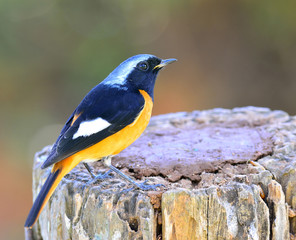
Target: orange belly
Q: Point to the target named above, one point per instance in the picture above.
(115, 143)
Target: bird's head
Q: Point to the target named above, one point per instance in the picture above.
(137, 72)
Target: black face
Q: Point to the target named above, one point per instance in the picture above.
(144, 75)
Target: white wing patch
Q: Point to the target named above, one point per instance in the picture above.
(88, 128)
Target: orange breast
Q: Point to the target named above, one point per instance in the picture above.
(115, 143)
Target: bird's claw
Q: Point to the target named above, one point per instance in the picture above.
(127, 190)
(100, 177)
(147, 187)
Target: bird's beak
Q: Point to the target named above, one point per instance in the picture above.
(165, 62)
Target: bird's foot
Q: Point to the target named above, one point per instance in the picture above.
(148, 187)
(100, 177)
(127, 190)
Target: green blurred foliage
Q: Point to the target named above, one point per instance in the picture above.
(231, 53)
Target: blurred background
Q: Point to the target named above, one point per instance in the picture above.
(230, 53)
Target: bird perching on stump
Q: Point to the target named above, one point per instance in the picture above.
(109, 118)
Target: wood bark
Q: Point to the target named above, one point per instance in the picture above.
(227, 174)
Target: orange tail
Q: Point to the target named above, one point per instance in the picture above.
(59, 170)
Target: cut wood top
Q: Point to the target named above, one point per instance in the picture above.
(186, 151)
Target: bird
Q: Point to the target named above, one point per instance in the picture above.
(108, 119)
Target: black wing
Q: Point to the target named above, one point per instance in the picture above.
(117, 106)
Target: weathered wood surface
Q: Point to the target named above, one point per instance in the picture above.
(212, 191)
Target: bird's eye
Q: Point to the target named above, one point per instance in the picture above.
(143, 66)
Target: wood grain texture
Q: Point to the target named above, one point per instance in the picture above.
(232, 199)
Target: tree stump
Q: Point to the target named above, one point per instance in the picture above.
(227, 174)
